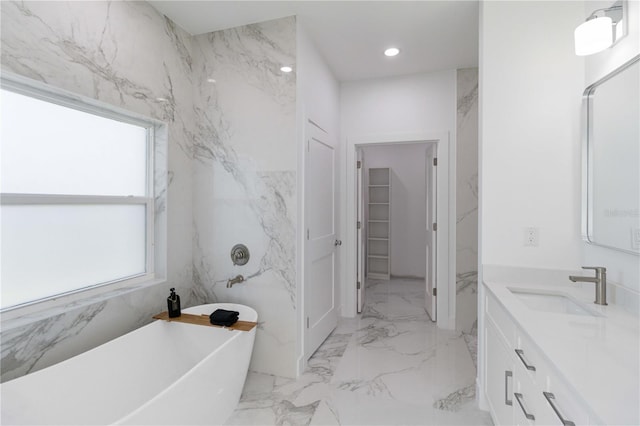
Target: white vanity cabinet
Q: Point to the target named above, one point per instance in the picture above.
(499, 370)
(521, 386)
(559, 396)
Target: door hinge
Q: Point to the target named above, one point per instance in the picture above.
(435, 292)
(359, 164)
(435, 161)
(308, 145)
(307, 322)
(358, 225)
(435, 226)
(307, 233)
(358, 285)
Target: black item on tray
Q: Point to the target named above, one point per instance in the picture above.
(224, 317)
(173, 304)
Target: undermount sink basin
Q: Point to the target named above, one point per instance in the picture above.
(551, 302)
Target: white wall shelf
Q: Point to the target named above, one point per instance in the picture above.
(379, 230)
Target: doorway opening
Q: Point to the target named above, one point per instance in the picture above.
(396, 202)
(400, 204)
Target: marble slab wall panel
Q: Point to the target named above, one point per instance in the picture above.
(128, 55)
(467, 200)
(245, 179)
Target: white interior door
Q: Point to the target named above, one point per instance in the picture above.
(360, 228)
(431, 234)
(321, 242)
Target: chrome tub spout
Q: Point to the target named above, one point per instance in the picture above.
(236, 280)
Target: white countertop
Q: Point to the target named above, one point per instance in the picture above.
(598, 356)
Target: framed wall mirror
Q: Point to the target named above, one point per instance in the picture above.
(611, 160)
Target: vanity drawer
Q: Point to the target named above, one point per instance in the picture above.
(529, 356)
(560, 404)
(527, 400)
(501, 319)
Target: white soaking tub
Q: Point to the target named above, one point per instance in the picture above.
(160, 374)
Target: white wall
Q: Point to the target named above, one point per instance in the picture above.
(393, 109)
(318, 89)
(530, 137)
(621, 267)
(408, 208)
(532, 85)
(409, 104)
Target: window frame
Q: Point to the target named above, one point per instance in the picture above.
(155, 130)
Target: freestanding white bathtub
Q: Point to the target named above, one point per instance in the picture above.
(162, 373)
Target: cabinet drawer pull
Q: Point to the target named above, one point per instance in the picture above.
(519, 399)
(520, 354)
(550, 397)
(507, 374)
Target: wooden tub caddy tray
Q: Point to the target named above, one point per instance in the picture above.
(203, 319)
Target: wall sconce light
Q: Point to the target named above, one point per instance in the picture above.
(601, 30)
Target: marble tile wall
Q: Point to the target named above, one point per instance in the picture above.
(231, 145)
(245, 179)
(467, 201)
(127, 55)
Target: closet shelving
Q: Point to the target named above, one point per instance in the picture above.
(378, 224)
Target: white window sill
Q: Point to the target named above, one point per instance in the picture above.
(20, 316)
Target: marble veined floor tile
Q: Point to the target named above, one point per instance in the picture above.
(271, 400)
(389, 366)
(346, 408)
(411, 366)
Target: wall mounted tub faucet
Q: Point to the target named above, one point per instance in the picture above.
(600, 281)
(236, 280)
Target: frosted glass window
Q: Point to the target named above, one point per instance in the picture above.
(77, 205)
(53, 249)
(51, 149)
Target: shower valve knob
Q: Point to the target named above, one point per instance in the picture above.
(240, 254)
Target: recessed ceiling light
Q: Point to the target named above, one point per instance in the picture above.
(392, 51)
(286, 69)
(211, 80)
(161, 99)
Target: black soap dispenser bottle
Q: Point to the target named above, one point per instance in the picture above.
(173, 304)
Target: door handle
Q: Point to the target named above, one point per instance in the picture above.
(337, 243)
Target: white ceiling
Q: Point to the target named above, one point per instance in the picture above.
(351, 35)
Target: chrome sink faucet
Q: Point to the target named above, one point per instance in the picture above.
(600, 281)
